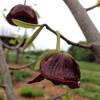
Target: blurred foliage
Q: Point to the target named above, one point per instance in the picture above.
(10, 56)
(88, 93)
(1, 97)
(29, 92)
(18, 75)
(24, 57)
(66, 97)
(82, 54)
(1, 79)
(98, 1)
(93, 67)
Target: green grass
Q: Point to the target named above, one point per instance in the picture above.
(29, 92)
(1, 79)
(90, 73)
(27, 58)
(90, 66)
(1, 97)
(88, 94)
(16, 76)
(11, 57)
(90, 81)
(90, 77)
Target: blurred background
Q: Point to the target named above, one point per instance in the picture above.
(57, 15)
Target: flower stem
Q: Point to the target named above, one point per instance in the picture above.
(25, 2)
(58, 41)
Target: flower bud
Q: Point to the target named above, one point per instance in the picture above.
(22, 12)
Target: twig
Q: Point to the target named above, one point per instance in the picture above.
(23, 67)
(25, 2)
(68, 41)
(92, 7)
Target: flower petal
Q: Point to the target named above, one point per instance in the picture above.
(61, 68)
(24, 24)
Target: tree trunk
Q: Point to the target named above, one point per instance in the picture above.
(89, 30)
(6, 76)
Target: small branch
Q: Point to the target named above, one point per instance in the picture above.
(68, 41)
(23, 67)
(92, 7)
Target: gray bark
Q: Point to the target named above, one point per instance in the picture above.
(88, 28)
(6, 76)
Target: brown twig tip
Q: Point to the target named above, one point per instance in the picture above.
(92, 7)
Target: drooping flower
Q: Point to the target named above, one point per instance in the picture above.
(60, 68)
(22, 12)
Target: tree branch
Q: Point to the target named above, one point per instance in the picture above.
(68, 41)
(92, 7)
(23, 67)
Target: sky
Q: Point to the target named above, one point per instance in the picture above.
(57, 15)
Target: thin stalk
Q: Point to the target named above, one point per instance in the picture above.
(92, 7)
(35, 34)
(25, 2)
(58, 42)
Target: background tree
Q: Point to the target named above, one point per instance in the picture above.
(89, 30)
(82, 54)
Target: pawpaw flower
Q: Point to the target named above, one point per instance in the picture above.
(23, 13)
(60, 68)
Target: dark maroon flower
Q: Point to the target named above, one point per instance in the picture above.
(60, 68)
(22, 12)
